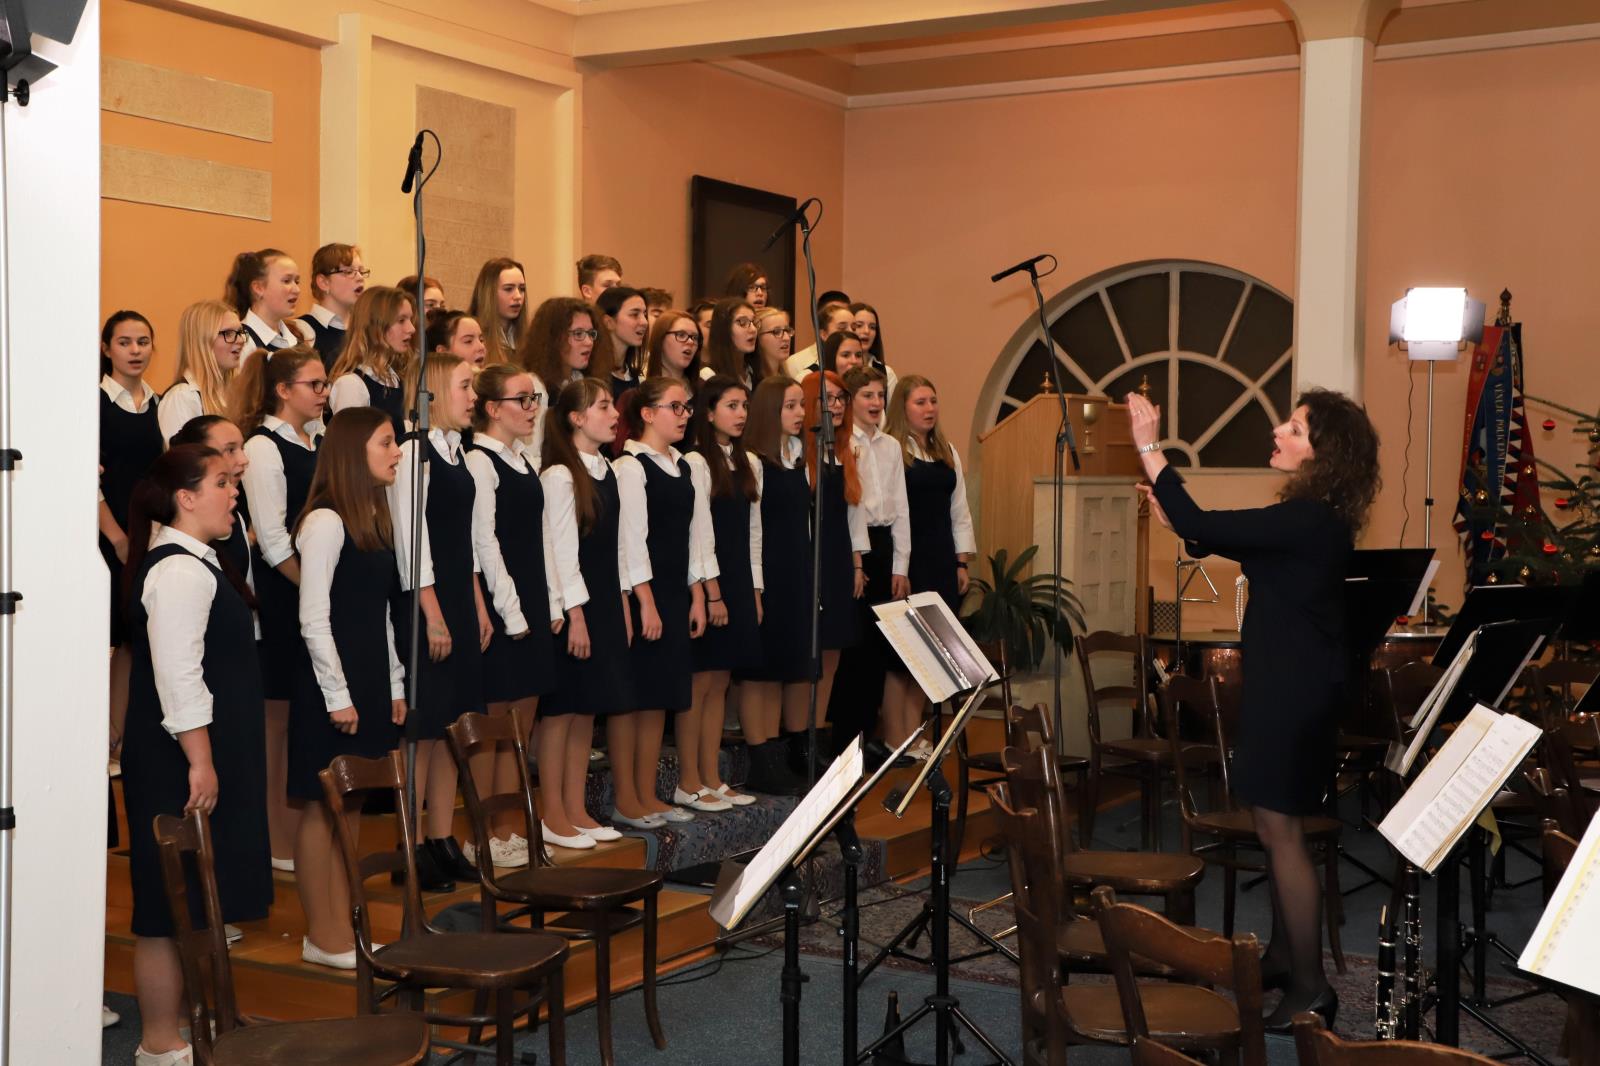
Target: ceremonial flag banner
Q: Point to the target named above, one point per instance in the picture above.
(1499, 478)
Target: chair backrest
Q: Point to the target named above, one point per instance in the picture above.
(1233, 963)
(1035, 781)
(202, 952)
(1028, 728)
(1405, 688)
(481, 734)
(1200, 696)
(1135, 695)
(1318, 1047)
(1036, 893)
(995, 652)
(1147, 1052)
(1555, 753)
(1552, 683)
(351, 778)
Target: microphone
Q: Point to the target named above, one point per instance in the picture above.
(796, 216)
(1026, 264)
(413, 164)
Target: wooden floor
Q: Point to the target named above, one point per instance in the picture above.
(273, 982)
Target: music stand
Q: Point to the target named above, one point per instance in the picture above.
(1582, 623)
(1497, 603)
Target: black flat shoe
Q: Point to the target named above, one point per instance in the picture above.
(1325, 1003)
(452, 860)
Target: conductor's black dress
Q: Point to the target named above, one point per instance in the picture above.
(1295, 554)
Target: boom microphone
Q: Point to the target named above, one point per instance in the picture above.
(796, 216)
(1026, 264)
(413, 164)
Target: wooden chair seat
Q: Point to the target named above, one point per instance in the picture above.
(470, 960)
(1153, 750)
(1179, 1015)
(989, 762)
(577, 887)
(1238, 825)
(369, 1040)
(1139, 873)
(1082, 945)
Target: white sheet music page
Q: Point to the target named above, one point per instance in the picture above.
(922, 659)
(1563, 944)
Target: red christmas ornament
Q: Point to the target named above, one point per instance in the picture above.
(1487, 534)
(1549, 424)
(1562, 503)
(1550, 549)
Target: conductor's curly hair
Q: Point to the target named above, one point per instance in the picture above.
(1343, 469)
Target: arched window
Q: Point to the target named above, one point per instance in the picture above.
(1216, 347)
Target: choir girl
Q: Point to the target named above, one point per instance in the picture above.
(702, 310)
(222, 436)
(210, 340)
(656, 301)
(130, 440)
(864, 324)
(748, 281)
(432, 292)
(596, 274)
(457, 333)
(194, 721)
(775, 690)
(666, 533)
(454, 615)
(729, 479)
(278, 400)
(774, 341)
(672, 351)
(353, 702)
(558, 348)
(338, 277)
(500, 304)
(515, 553)
(370, 370)
(841, 353)
(942, 543)
(623, 328)
(731, 341)
(833, 317)
(594, 675)
(859, 685)
(263, 288)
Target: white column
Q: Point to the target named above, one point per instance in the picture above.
(1330, 277)
(52, 215)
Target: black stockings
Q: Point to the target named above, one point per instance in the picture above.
(1296, 944)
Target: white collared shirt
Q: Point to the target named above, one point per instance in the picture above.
(179, 404)
(502, 590)
(124, 399)
(288, 334)
(803, 362)
(534, 452)
(447, 444)
(267, 492)
(177, 597)
(350, 389)
(883, 489)
(320, 541)
(561, 519)
(960, 512)
(326, 318)
(700, 473)
(635, 528)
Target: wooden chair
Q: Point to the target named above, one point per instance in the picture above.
(1147, 1052)
(1318, 1047)
(1234, 828)
(597, 901)
(1551, 684)
(1146, 756)
(1187, 1017)
(220, 1035)
(497, 964)
(1173, 877)
(1403, 690)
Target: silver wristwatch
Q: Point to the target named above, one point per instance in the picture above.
(1153, 446)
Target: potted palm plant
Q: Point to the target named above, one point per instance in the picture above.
(1019, 611)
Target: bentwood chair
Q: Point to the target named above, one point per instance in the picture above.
(594, 903)
(1147, 1052)
(503, 966)
(1318, 1047)
(219, 1034)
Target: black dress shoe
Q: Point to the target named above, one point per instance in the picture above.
(452, 859)
(1325, 1003)
(433, 875)
(1274, 976)
(874, 752)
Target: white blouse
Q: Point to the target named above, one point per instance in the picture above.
(700, 474)
(883, 489)
(124, 399)
(447, 443)
(502, 590)
(320, 542)
(267, 492)
(561, 518)
(960, 512)
(289, 333)
(180, 403)
(350, 389)
(177, 596)
(635, 528)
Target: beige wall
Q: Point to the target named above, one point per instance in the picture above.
(648, 130)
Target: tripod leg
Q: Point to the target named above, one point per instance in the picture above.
(982, 1037)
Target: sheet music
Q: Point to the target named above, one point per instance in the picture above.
(935, 647)
(1422, 590)
(1400, 760)
(1453, 789)
(1563, 943)
(831, 789)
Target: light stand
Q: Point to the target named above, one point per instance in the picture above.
(1058, 480)
(8, 596)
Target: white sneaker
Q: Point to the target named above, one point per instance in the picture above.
(518, 844)
(184, 1056)
(577, 840)
(504, 854)
(232, 933)
(286, 865)
(738, 799)
(343, 960)
(600, 833)
(108, 1017)
(706, 799)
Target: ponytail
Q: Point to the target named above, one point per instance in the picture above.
(154, 502)
(255, 387)
(248, 268)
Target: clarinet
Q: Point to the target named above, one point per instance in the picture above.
(1413, 952)
(1398, 1010)
(1387, 1016)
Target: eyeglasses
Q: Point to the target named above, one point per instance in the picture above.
(319, 386)
(677, 407)
(837, 399)
(759, 286)
(232, 336)
(683, 336)
(744, 321)
(525, 400)
(355, 272)
(583, 334)
(779, 331)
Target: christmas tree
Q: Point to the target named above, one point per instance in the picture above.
(1559, 547)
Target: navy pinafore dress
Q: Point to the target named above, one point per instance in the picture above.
(737, 645)
(786, 566)
(929, 485)
(283, 652)
(663, 669)
(129, 443)
(602, 684)
(517, 669)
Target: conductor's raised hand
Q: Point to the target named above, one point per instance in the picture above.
(1145, 418)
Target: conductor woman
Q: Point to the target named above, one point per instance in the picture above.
(1292, 647)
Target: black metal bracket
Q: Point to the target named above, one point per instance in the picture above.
(9, 601)
(9, 458)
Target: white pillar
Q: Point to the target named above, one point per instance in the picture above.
(1330, 275)
(53, 220)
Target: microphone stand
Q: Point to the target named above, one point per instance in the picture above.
(826, 450)
(1064, 444)
(419, 459)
